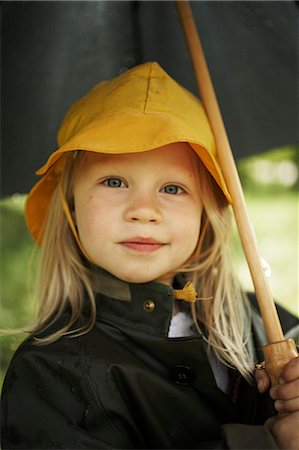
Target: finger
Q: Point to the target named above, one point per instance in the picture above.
(285, 391)
(290, 371)
(262, 380)
(287, 405)
(271, 422)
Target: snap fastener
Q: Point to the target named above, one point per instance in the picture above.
(149, 305)
(182, 375)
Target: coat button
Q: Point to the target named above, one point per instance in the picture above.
(182, 375)
(149, 305)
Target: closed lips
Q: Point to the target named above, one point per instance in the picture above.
(142, 244)
(141, 240)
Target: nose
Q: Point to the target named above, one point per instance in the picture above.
(143, 208)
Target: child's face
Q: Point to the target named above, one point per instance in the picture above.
(138, 215)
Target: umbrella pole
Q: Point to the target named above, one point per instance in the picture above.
(276, 355)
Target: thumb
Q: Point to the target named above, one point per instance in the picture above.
(262, 380)
(270, 422)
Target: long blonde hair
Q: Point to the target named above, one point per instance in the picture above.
(64, 279)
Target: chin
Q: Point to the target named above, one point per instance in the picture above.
(136, 278)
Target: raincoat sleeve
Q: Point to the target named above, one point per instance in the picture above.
(244, 437)
(241, 437)
(46, 408)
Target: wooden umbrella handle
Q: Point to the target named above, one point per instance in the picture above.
(230, 173)
(277, 355)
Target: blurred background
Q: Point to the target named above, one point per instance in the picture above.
(53, 52)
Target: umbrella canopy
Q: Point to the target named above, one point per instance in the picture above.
(54, 52)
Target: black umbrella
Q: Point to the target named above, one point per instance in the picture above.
(54, 52)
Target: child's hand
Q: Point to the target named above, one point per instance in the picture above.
(284, 427)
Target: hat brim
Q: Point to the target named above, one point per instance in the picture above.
(136, 133)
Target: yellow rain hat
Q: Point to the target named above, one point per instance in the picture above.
(140, 110)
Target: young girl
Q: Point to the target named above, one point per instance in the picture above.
(144, 338)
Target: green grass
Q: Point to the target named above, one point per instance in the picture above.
(275, 220)
(16, 271)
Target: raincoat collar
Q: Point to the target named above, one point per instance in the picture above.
(147, 307)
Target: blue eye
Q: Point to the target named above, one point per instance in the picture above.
(114, 183)
(172, 189)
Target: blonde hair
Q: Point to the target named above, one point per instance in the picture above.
(227, 317)
(64, 279)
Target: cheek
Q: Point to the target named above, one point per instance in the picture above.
(187, 231)
(86, 222)
(193, 232)
(90, 217)
(194, 224)
(95, 218)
